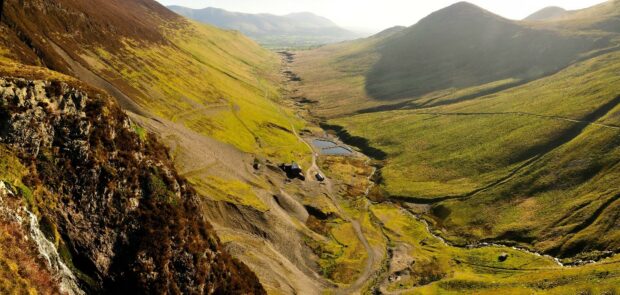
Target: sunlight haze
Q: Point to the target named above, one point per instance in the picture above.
(377, 15)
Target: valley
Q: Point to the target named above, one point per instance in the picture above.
(396, 217)
(144, 152)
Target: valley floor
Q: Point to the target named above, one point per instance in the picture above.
(407, 254)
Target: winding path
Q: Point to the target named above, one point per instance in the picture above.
(588, 122)
(357, 228)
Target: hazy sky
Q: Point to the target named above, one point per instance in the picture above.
(378, 14)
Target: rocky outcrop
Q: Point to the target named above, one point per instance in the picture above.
(112, 197)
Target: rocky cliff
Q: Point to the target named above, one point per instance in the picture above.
(108, 197)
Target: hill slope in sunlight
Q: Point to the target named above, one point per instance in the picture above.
(210, 80)
(214, 91)
(455, 48)
(604, 17)
(507, 129)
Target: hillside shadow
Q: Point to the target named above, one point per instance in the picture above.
(359, 142)
(463, 47)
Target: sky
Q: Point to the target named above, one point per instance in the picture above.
(376, 15)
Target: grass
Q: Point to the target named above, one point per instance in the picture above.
(230, 190)
(342, 255)
(142, 133)
(351, 261)
(215, 82)
(451, 150)
(12, 171)
(20, 270)
(460, 270)
(442, 151)
(334, 75)
(353, 172)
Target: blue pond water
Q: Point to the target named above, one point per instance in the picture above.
(331, 148)
(337, 151)
(323, 144)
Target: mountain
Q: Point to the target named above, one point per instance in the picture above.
(213, 90)
(211, 103)
(490, 133)
(463, 45)
(603, 17)
(547, 13)
(113, 212)
(459, 46)
(296, 29)
(139, 216)
(146, 153)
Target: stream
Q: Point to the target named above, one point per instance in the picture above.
(326, 145)
(557, 261)
(47, 250)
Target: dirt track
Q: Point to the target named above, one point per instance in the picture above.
(368, 271)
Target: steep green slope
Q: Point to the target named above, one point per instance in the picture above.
(488, 145)
(217, 83)
(441, 58)
(546, 145)
(213, 83)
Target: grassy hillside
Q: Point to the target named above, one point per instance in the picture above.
(216, 82)
(532, 145)
(490, 122)
(459, 48)
(603, 17)
(427, 265)
(501, 153)
(462, 46)
(335, 75)
(212, 95)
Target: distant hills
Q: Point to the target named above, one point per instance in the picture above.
(602, 17)
(291, 30)
(547, 13)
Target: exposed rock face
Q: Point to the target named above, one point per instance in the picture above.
(128, 220)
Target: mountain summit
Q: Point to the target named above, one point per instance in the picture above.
(547, 13)
(464, 45)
